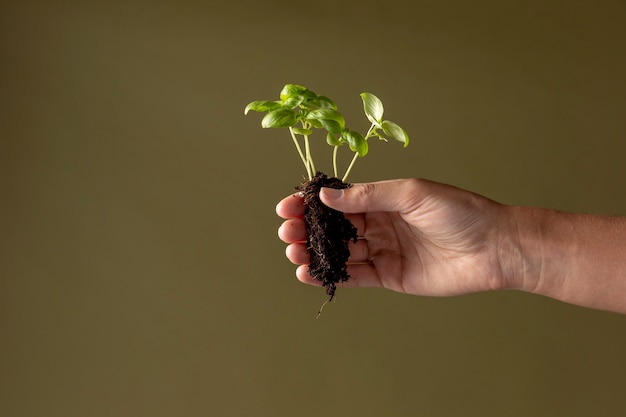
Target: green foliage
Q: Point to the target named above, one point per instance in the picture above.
(302, 111)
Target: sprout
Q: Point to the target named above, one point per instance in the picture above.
(302, 112)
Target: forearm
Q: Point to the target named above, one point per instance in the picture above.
(576, 258)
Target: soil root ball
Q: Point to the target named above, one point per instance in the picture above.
(329, 233)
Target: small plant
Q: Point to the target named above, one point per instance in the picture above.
(302, 112)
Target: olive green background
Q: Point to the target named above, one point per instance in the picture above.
(140, 272)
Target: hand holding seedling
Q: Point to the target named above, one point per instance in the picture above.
(328, 231)
(418, 237)
(425, 238)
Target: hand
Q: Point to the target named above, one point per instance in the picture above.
(416, 237)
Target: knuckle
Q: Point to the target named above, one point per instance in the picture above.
(364, 192)
(412, 185)
(413, 191)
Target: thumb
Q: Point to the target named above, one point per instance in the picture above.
(394, 195)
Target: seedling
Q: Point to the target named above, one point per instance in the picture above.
(303, 112)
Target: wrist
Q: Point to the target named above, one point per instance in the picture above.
(521, 251)
(575, 258)
(546, 249)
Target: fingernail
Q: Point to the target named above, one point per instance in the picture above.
(332, 193)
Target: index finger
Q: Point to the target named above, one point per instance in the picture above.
(291, 207)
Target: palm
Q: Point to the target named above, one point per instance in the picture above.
(434, 251)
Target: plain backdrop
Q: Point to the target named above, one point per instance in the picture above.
(140, 271)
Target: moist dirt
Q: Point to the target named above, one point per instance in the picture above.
(329, 233)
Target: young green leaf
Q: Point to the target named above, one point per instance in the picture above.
(310, 104)
(315, 123)
(262, 106)
(301, 131)
(328, 114)
(279, 118)
(293, 102)
(332, 140)
(331, 125)
(330, 119)
(373, 108)
(356, 141)
(319, 102)
(326, 103)
(393, 131)
(293, 95)
(290, 90)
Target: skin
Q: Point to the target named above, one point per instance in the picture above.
(425, 238)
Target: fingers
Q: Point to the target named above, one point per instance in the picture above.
(291, 207)
(294, 230)
(361, 276)
(298, 253)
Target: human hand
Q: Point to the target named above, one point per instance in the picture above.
(416, 237)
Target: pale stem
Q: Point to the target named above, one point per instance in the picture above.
(356, 155)
(304, 160)
(335, 161)
(354, 158)
(369, 131)
(309, 158)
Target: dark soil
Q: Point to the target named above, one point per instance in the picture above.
(329, 233)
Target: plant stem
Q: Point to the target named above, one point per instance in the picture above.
(304, 160)
(356, 155)
(369, 131)
(309, 157)
(345, 176)
(335, 161)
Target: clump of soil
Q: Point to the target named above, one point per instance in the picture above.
(329, 233)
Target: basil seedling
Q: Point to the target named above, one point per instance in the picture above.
(302, 112)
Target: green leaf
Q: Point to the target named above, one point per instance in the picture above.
(293, 95)
(373, 108)
(393, 131)
(290, 90)
(326, 113)
(356, 141)
(309, 104)
(326, 103)
(330, 119)
(319, 102)
(262, 106)
(279, 118)
(332, 140)
(303, 132)
(293, 102)
(331, 125)
(315, 123)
